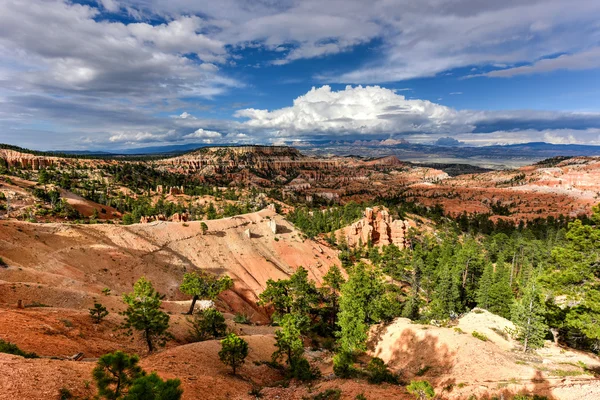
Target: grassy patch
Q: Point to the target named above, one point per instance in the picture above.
(479, 336)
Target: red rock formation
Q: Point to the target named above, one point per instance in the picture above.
(378, 227)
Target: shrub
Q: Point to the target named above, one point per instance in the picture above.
(422, 390)
(98, 312)
(11, 348)
(479, 336)
(302, 370)
(208, 324)
(378, 372)
(65, 394)
(343, 364)
(360, 396)
(3, 263)
(329, 394)
(240, 318)
(423, 370)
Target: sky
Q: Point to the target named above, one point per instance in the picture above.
(115, 74)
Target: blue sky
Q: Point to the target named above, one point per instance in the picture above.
(113, 74)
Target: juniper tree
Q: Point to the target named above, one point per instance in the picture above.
(203, 286)
(143, 314)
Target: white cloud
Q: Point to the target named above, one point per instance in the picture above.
(186, 115)
(588, 59)
(367, 110)
(203, 134)
(57, 46)
(110, 5)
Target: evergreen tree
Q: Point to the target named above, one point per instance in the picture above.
(143, 314)
(358, 306)
(98, 312)
(152, 387)
(296, 295)
(288, 341)
(203, 286)
(485, 287)
(332, 285)
(500, 295)
(114, 374)
(528, 316)
(208, 324)
(234, 351)
(446, 299)
(577, 275)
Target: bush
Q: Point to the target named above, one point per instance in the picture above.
(343, 365)
(240, 318)
(479, 336)
(3, 263)
(10, 348)
(302, 370)
(378, 372)
(208, 324)
(65, 394)
(422, 390)
(360, 396)
(329, 394)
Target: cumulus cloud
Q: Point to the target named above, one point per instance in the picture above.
(377, 111)
(365, 110)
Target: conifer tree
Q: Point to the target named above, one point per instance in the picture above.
(358, 306)
(114, 374)
(528, 316)
(208, 324)
(98, 312)
(234, 351)
(288, 340)
(332, 285)
(485, 286)
(143, 314)
(576, 273)
(500, 295)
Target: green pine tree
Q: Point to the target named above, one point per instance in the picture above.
(143, 314)
(114, 374)
(528, 316)
(501, 295)
(234, 351)
(288, 341)
(485, 286)
(359, 306)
